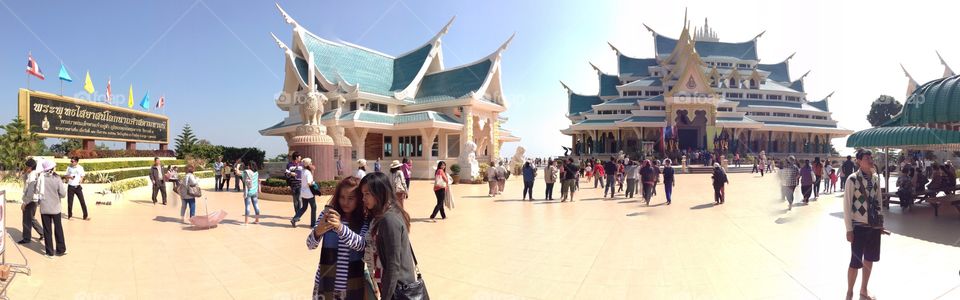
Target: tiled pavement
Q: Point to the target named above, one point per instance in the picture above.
(504, 248)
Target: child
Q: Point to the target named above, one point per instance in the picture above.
(833, 181)
(588, 171)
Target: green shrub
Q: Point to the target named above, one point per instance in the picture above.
(203, 174)
(126, 185)
(113, 165)
(455, 168)
(275, 182)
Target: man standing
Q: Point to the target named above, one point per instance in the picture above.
(30, 201)
(218, 174)
(863, 221)
(293, 171)
(569, 183)
(376, 165)
(75, 176)
(847, 169)
(237, 173)
(156, 180)
(52, 189)
(610, 168)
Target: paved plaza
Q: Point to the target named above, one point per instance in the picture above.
(504, 248)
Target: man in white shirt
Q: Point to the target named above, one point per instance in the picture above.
(74, 178)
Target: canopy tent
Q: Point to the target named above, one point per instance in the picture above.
(906, 137)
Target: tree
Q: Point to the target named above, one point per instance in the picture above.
(16, 144)
(65, 146)
(883, 109)
(185, 142)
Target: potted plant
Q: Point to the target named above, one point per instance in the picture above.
(455, 169)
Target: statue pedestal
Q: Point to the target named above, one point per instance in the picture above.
(316, 145)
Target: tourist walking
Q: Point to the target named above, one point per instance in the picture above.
(668, 180)
(817, 177)
(340, 233)
(761, 165)
(440, 185)
(293, 171)
(834, 178)
(492, 181)
(173, 176)
(407, 169)
(806, 181)
(74, 176)
(610, 169)
(633, 171)
(502, 174)
(361, 169)
(588, 171)
(189, 180)
(656, 175)
(569, 183)
(237, 172)
(399, 182)
(620, 175)
(549, 178)
(30, 199)
(227, 174)
(846, 169)
(529, 174)
(648, 178)
(827, 173)
(156, 181)
(719, 182)
(52, 190)
(863, 220)
(218, 174)
(251, 184)
(599, 174)
(789, 178)
(308, 194)
(376, 165)
(388, 255)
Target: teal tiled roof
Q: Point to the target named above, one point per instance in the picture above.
(744, 50)
(601, 121)
(937, 101)
(579, 103)
(797, 85)
(747, 103)
(798, 124)
(645, 82)
(374, 72)
(635, 66)
(625, 100)
(645, 119)
(383, 118)
(453, 84)
(608, 85)
(779, 71)
(821, 105)
(736, 119)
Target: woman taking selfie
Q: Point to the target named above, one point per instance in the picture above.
(339, 234)
(388, 250)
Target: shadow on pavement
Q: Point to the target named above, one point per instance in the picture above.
(35, 244)
(702, 206)
(919, 223)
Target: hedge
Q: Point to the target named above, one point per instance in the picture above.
(281, 182)
(126, 185)
(113, 165)
(82, 154)
(127, 174)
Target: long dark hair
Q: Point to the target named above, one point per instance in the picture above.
(439, 168)
(381, 187)
(356, 218)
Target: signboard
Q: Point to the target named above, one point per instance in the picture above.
(50, 115)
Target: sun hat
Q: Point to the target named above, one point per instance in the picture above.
(48, 165)
(361, 162)
(395, 164)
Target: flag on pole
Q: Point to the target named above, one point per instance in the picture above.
(145, 102)
(88, 84)
(130, 98)
(64, 75)
(161, 102)
(33, 68)
(109, 92)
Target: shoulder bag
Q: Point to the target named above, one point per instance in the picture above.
(416, 290)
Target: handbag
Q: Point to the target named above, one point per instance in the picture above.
(416, 290)
(438, 182)
(194, 191)
(315, 189)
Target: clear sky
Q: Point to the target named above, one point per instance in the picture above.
(220, 71)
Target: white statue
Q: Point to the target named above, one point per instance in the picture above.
(516, 162)
(312, 108)
(468, 160)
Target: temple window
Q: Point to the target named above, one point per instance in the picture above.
(387, 146)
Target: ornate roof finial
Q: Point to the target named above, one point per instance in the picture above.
(791, 56)
(595, 68)
(648, 28)
(286, 17)
(614, 48)
(829, 95)
(566, 87)
(445, 29)
(759, 35)
(279, 43)
(507, 43)
(912, 84)
(947, 72)
(804, 75)
(686, 23)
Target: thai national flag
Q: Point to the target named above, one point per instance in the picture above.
(33, 68)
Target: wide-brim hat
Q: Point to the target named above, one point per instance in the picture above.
(361, 162)
(395, 164)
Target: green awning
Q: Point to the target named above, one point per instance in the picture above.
(906, 137)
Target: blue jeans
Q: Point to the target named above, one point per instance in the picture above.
(611, 180)
(296, 200)
(668, 188)
(246, 205)
(193, 207)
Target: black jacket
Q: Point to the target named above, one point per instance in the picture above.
(719, 177)
(393, 247)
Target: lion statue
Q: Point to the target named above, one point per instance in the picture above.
(516, 162)
(468, 160)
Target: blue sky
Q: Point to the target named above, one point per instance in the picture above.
(220, 71)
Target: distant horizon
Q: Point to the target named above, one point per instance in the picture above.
(220, 70)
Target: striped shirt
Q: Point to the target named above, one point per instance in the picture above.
(348, 241)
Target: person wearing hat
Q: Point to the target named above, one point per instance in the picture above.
(719, 181)
(399, 181)
(30, 200)
(52, 190)
(361, 168)
(789, 178)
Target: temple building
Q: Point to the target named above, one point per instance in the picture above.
(392, 107)
(698, 93)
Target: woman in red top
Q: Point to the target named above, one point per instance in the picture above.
(440, 186)
(598, 174)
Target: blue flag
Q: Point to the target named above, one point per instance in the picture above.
(145, 102)
(64, 75)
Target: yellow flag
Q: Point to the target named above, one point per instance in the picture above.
(130, 98)
(88, 84)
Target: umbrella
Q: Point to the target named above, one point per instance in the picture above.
(209, 220)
